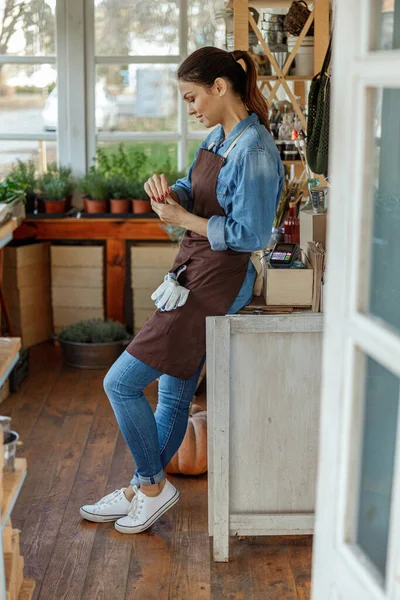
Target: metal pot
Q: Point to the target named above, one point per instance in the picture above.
(92, 356)
(10, 448)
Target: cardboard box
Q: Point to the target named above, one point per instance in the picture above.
(24, 256)
(63, 316)
(312, 228)
(77, 284)
(77, 277)
(149, 265)
(77, 256)
(26, 284)
(288, 287)
(26, 277)
(82, 298)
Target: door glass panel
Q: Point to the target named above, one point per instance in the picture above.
(381, 399)
(386, 25)
(384, 292)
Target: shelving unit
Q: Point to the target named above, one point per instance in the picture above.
(319, 17)
(10, 484)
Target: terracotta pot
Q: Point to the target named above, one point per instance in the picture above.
(54, 206)
(95, 206)
(118, 205)
(141, 206)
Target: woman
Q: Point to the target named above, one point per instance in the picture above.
(227, 204)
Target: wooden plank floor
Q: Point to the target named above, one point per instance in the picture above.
(76, 455)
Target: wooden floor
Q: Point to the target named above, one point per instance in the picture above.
(76, 455)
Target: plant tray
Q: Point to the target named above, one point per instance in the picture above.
(84, 215)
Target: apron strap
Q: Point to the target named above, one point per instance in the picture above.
(233, 144)
(235, 141)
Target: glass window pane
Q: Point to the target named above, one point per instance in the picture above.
(384, 295)
(28, 103)
(40, 152)
(378, 454)
(386, 25)
(30, 31)
(162, 156)
(136, 97)
(206, 24)
(137, 27)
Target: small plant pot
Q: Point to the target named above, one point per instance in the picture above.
(96, 206)
(118, 205)
(141, 206)
(54, 206)
(92, 356)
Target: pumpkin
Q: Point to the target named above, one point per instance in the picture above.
(191, 458)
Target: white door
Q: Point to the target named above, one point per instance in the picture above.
(357, 540)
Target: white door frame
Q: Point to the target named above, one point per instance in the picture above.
(340, 570)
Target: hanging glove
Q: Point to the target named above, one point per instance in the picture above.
(170, 295)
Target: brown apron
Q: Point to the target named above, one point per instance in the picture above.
(174, 342)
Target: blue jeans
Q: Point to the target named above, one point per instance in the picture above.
(153, 439)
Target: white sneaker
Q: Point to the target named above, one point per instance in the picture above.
(145, 510)
(110, 508)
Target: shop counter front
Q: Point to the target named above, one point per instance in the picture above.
(263, 402)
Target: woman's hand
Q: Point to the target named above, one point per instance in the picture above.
(157, 187)
(171, 212)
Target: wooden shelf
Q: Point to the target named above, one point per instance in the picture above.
(27, 589)
(263, 3)
(9, 349)
(288, 77)
(7, 230)
(12, 483)
(292, 162)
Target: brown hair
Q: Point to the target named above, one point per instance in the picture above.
(206, 64)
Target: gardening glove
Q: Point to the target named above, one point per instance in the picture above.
(170, 295)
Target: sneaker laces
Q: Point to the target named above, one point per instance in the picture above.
(136, 504)
(110, 497)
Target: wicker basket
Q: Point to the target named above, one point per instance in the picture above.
(296, 18)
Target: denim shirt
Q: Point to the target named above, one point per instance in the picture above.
(248, 189)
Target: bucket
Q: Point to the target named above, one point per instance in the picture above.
(10, 449)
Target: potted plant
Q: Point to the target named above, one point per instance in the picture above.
(95, 188)
(24, 173)
(119, 195)
(93, 344)
(140, 200)
(55, 172)
(12, 193)
(53, 193)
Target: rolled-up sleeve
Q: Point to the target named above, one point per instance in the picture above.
(247, 226)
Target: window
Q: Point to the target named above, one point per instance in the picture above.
(28, 113)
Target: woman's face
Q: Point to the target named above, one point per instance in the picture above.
(203, 103)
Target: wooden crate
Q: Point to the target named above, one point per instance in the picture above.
(26, 284)
(77, 284)
(149, 264)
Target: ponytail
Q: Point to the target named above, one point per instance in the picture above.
(253, 98)
(206, 64)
